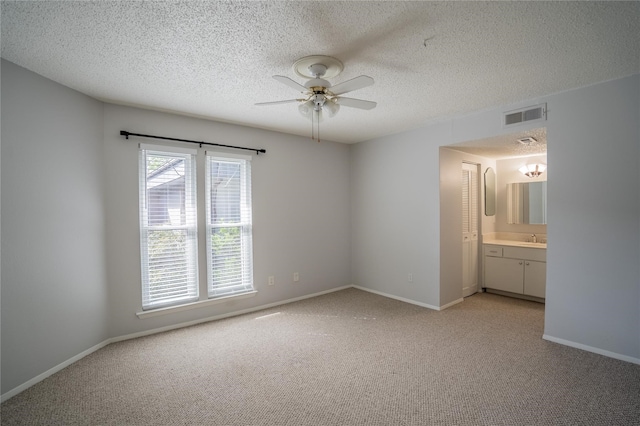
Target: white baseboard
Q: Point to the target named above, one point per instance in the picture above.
(101, 345)
(40, 377)
(222, 316)
(592, 349)
(51, 371)
(402, 299)
(448, 305)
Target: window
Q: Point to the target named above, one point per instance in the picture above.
(168, 229)
(169, 232)
(228, 189)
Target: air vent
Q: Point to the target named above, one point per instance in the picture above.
(528, 114)
(529, 140)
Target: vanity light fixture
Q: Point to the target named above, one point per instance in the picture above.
(533, 170)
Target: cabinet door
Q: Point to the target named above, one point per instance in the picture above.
(504, 274)
(535, 278)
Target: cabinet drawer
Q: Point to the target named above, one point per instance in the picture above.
(539, 255)
(493, 251)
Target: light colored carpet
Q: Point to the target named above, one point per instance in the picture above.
(346, 358)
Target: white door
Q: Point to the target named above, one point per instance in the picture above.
(469, 229)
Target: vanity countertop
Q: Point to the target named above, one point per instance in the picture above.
(514, 243)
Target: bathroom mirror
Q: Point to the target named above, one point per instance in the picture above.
(527, 203)
(489, 192)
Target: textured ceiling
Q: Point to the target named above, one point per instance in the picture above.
(507, 146)
(429, 59)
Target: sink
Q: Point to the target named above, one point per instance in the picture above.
(529, 244)
(517, 243)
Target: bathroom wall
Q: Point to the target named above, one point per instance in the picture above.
(507, 172)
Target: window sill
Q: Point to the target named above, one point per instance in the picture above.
(193, 305)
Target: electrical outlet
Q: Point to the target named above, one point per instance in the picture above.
(296, 277)
(272, 280)
(410, 277)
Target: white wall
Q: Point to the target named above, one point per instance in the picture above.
(300, 212)
(54, 290)
(593, 285)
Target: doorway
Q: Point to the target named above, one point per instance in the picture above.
(486, 153)
(470, 225)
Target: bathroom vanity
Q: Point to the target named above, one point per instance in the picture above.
(515, 268)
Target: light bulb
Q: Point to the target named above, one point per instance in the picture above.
(533, 170)
(332, 107)
(306, 108)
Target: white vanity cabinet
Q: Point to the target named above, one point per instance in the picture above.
(518, 270)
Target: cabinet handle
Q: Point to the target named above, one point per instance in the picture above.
(527, 263)
(519, 263)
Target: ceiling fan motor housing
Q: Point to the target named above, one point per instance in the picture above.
(317, 83)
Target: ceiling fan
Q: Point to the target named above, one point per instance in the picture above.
(318, 94)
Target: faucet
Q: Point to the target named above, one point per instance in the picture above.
(534, 239)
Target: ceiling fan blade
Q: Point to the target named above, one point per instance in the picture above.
(353, 84)
(356, 103)
(286, 80)
(288, 101)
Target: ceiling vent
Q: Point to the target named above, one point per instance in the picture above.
(525, 115)
(528, 140)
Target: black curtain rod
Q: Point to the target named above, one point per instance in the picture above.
(127, 134)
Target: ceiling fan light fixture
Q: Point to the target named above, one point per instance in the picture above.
(312, 110)
(306, 108)
(332, 107)
(317, 99)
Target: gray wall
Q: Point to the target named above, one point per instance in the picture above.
(54, 290)
(69, 184)
(593, 285)
(300, 213)
(593, 273)
(395, 215)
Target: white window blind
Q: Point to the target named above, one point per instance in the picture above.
(168, 226)
(469, 200)
(228, 212)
